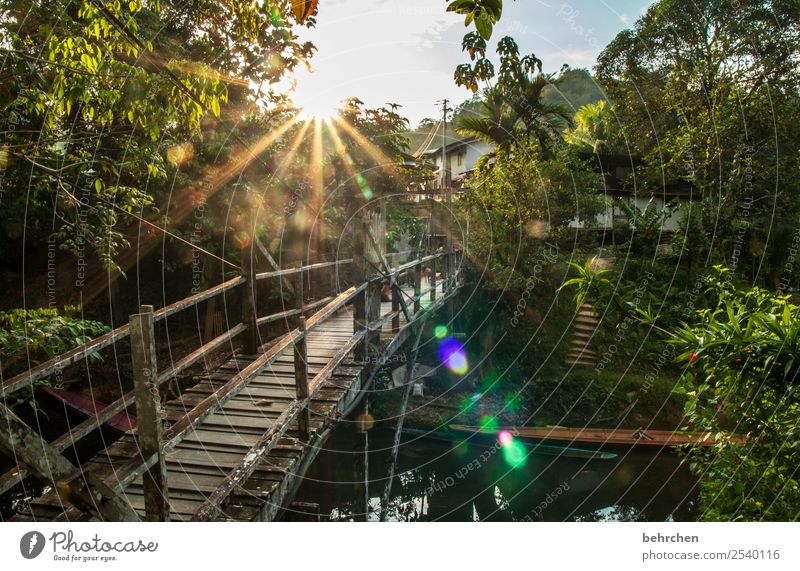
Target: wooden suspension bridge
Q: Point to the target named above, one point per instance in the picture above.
(236, 444)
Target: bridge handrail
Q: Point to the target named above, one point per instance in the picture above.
(176, 432)
(63, 360)
(292, 271)
(72, 356)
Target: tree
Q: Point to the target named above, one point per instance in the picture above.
(513, 112)
(95, 93)
(697, 89)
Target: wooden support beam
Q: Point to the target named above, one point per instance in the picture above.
(299, 295)
(433, 280)
(359, 276)
(372, 301)
(374, 243)
(148, 412)
(28, 448)
(407, 387)
(210, 319)
(271, 261)
(417, 287)
(249, 301)
(396, 298)
(301, 380)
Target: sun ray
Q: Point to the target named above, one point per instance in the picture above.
(293, 146)
(349, 164)
(317, 184)
(383, 161)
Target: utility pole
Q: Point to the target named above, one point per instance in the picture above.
(448, 194)
(444, 143)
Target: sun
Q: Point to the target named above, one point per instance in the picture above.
(318, 108)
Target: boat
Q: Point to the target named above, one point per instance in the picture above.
(122, 421)
(536, 448)
(601, 436)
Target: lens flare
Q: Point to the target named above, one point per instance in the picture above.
(452, 354)
(488, 424)
(513, 404)
(514, 453)
(365, 422)
(468, 403)
(440, 331)
(505, 437)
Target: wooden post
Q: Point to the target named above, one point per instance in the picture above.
(148, 412)
(396, 307)
(417, 287)
(299, 293)
(372, 308)
(359, 276)
(433, 279)
(249, 307)
(209, 331)
(301, 380)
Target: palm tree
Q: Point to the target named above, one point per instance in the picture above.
(541, 121)
(590, 128)
(496, 125)
(513, 111)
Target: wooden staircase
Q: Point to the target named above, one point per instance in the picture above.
(579, 351)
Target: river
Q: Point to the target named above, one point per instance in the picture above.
(478, 481)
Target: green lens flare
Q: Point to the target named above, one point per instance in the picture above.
(515, 454)
(488, 424)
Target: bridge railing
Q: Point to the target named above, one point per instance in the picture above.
(147, 378)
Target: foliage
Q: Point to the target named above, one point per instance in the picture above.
(594, 130)
(483, 13)
(589, 276)
(743, 358)
(94, 93)
(31, 336)
(513, 112)
(697, 89)
(646, 226)
(40, 334)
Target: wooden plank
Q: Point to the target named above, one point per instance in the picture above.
(241, 473)
(291, 271)
(292, 312)
(301, 381)
(175, 433)
(249, 301)
(148, 412)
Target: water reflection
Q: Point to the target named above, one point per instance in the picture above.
(474, 481)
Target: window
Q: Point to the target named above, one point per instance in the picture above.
(460, 159)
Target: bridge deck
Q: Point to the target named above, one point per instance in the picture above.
(201, 462)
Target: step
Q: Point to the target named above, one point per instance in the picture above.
(581, 351)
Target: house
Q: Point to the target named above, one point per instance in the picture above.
(619, 176)
(620, 184)
(462, 155)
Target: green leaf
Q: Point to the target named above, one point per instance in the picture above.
(484, 25)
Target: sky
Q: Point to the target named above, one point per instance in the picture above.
(405, 51)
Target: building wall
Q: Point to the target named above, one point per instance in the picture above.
(470, 154)
(604, 220)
